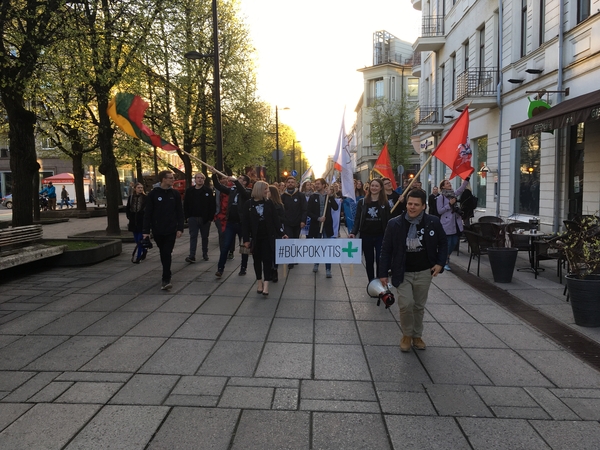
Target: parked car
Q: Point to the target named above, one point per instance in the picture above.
(7, 201)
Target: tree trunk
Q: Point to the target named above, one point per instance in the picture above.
(23, 158)
(108, 166)
(138, 169)
(78, 174)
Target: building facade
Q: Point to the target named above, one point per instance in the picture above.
(389, 79)
(500, 59)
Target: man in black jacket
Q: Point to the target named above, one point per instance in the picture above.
(164, 216)
(238, 194)
(199, 209)
(319, 211)
(414, 249)
(294, 205)
(435, 193)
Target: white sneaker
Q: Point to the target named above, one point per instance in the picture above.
(447, 267)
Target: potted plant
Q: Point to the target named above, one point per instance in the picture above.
(580, 245)
(502, 258)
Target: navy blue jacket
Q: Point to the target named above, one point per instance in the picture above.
(393, 249)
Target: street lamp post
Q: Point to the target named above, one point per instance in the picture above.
(216, 86)
(278, 176)
(294, 154)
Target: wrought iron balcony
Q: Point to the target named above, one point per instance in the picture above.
(432, 26)
(428, 115)
(477, 82)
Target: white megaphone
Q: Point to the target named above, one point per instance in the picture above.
(383, 293)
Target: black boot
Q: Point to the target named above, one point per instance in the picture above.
(275, 277)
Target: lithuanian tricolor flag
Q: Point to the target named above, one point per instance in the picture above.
(127, 111)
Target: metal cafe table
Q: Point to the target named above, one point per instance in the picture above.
(532, 235)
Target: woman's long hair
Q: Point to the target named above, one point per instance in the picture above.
(275, 197)
(382, 198)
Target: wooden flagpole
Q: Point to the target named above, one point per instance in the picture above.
(412, 181)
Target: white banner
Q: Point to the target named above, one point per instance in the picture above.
(313, 251)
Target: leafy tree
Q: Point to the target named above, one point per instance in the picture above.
(26, 29)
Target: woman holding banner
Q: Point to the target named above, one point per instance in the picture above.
(372, 216)
(260, 222)
(319, 208)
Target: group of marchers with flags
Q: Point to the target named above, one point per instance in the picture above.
(454, 150)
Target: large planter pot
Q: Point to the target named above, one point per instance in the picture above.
(502, 261)
(584, 294)
(93, 255)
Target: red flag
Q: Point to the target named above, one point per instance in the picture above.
(454, 149)
(383, 166)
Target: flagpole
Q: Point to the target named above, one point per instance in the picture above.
(413, 180)
(211, 168)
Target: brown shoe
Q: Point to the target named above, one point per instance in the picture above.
(418, 344)
(405, 343)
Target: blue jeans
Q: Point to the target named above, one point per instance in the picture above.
(137, 238)
(231, 231)
(324, 236)
(371, 247)
(196, 224)
(452, 241)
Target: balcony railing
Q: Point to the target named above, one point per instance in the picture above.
(432, 26)
(415, 60)
(477, 82)
(428, 115)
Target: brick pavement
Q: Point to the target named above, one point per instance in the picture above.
(99, 357)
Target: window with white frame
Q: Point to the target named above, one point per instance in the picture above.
(527, 179)
(583, 10)
(412, 87)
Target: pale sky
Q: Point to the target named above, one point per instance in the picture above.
(308, 53)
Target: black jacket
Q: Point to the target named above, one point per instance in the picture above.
(238, 194)
(313, 211)
(393, 249)
(136, 219)
(433, 204)
(199, 203)
(250, 221)
(164, 213)
(295, 208)
(360, 216)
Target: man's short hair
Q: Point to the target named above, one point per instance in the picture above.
(246, 179)
(417, 193)
(164, 174)
(322, 180)
(290, 178)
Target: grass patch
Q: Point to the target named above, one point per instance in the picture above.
(73, 244)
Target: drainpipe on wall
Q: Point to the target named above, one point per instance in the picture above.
(499, 101)
(559, 134)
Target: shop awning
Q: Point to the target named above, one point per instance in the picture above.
(570, 112)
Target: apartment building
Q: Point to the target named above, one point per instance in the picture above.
(388, 79)
(508, 62)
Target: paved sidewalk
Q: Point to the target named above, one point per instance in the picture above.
(99, 357)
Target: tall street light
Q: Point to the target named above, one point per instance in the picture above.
(294, 154)
(277, 154)
(216, 86)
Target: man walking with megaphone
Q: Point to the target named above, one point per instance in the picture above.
(414, 249)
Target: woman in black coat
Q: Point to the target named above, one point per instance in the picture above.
(260, 222)
(135, 209)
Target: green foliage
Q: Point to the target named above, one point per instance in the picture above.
(581, 246)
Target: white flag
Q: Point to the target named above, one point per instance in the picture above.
(307, 176)
(342, 162)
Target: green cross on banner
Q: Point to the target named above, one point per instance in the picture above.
(350, 250)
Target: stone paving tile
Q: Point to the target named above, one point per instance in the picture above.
(295, 309)
(452, 400)
(30, 322)
(126, 427)
(259, 430)
(115, 324)
(334, 311)
(473, 335)
(183, 303)
(145, 390)
(21, 352)
(31, 387)
(425, 433)
(568, 435)
(178, 357)
(452, 366)
(108, 302)
(491, 314)
(435, 335)
(406, 403)
(72, 354)
(9, 412)
(246, 329)
(379, 333)
(247, 397)
(336, 332)
(264, 382)
(505, 396)
(192, 400)
(291, 330)
(107, 377)
(200, 386)
(507, 368)
(576, 393)
(340, 362)
(258, 306)
(197, 429)
(328, 291)
(338, 390)
(286, 360)
(551, 404)
(340, 406)
(366, 311)
(15, 306)
(126, 355)
(202, 326)
(51, 392)
(10, 380)
(71, 324)
(349, 431)
(220, 305)
(70, 302)
(231, 358)
(521, 337)
(586, 408)
(389, 364)
(563, 369)
(87, 392)
(145, 303)
(466, 296)
(449, 313)
(54, 425)
(285, 399)
(513, 412)
(8, 316)
(200, 286)
(159, 324)
(492, 434)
